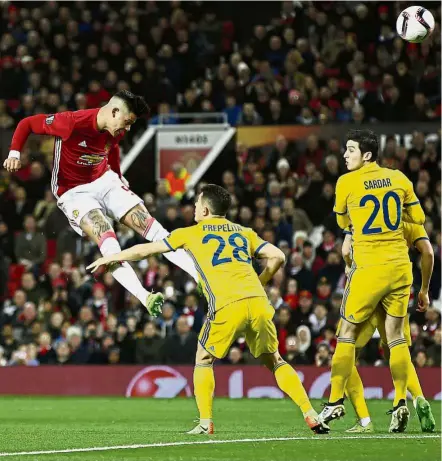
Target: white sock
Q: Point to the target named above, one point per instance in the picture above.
(124, 274)
(365, 421)
(205, 422)
(180, 258)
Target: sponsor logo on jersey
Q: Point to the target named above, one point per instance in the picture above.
(90, 159)
(75, 213)
(49, 119)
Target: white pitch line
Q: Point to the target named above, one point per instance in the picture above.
(213, 442)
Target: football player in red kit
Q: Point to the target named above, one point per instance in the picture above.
(87, 181)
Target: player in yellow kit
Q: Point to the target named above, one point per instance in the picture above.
(417, 237)
(376, 201)
(237, 303)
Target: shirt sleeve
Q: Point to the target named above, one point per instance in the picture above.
(413, 233)
(61, 124)
(341, 193)
(413, 212)
(410, 198)
(177, 239)
(256, 243)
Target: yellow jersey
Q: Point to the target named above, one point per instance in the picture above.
(412, 233)
(222, 252)
(374, 198)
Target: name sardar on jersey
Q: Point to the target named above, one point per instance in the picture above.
(377, 183)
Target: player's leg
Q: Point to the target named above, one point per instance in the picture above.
(204, 387)
(354, 388)
(261, 337)
(288, 381)
(140, 220)
(128, 208)
(214, 341)
(395, 304)
(421, 405)
(97, 227)
(399, 366)
(83, 207)
(357, 306)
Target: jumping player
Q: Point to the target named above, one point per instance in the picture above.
(88, 185)
(223, 252)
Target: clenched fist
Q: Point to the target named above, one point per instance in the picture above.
(12, 164)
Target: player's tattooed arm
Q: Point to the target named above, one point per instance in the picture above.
(95, 224)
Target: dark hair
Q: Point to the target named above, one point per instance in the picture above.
(367, 140)
(217, 198)
(136, 104)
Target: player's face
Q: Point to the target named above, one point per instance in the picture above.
(353, 156)
(200, 209)
(121, 121)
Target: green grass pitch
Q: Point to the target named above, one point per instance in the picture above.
(29, 424)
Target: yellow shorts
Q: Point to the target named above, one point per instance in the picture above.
(250, 317)
(386, 285)
(377, 321)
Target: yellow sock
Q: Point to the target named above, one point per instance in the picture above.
(413, 384)
(204, 387)
(342, 366)
(289, 382)
(355, 392)
(399, 366)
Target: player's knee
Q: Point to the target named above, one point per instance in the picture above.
(271, 360)
(394, 328)
(203, 357)
(348, 330)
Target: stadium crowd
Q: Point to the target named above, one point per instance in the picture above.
(322, 62)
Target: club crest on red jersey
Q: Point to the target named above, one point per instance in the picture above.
(90, 159)
(49, 119)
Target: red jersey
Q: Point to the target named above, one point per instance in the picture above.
(81, 153)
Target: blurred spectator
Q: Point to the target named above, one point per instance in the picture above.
(30, 245)
(179, 348)
(126, 343)
(235, 356)
(323, 356)
(149, 346)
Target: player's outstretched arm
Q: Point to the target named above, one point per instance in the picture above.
(275, 259)
(427, 263)
(135, 253)
(60, 124)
